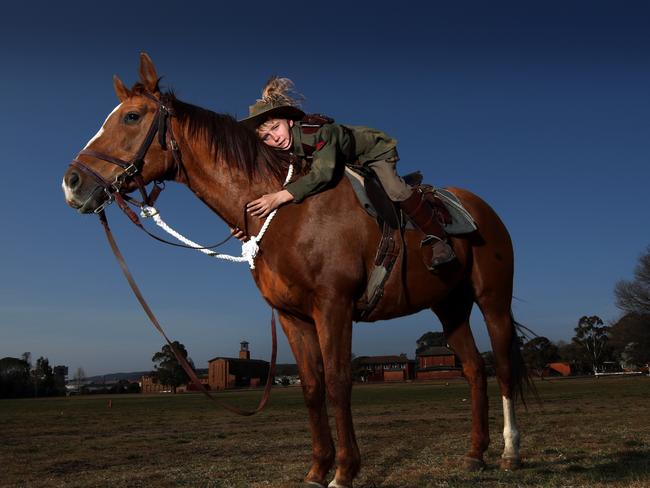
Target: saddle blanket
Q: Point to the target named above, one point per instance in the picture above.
(460, 222)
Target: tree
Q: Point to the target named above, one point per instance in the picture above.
(27, 357)
(629, 339)
(43, 378)
(430, 339)
(634, 296)
(538, 352)
(168, 370)
(591, 334)
(14, 378)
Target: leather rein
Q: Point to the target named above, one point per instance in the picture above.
(132, 169)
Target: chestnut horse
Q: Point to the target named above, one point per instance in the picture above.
(315, 260)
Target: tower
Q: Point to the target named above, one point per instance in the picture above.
(244, 353)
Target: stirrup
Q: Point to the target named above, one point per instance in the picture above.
(445, 251)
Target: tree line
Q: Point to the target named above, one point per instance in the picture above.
(19, 378)
(624, 344)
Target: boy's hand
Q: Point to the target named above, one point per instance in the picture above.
(239, 234)
(268, 203)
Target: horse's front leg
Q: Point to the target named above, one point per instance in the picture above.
(304, 344)
(334, 327)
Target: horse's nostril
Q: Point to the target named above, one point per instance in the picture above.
(73, 180)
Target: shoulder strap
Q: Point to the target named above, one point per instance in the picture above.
(310, 123)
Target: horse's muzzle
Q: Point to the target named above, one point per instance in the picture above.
(81, 193)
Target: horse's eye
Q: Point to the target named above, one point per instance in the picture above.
(131, 118)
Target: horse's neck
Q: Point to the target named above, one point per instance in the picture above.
(222, 187)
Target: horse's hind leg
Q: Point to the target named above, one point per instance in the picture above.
(509, 370)
(492, 274)
(454, 314)
(304, 344)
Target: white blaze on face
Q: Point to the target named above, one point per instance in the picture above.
(101, 129)
(66, 191)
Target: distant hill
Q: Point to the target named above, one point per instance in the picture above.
(132, 376)
(280, 370)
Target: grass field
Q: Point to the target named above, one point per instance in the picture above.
(587, 433)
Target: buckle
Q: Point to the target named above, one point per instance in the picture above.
(106, 202)
(131, 169)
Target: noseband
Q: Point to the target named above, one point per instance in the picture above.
(133, 168)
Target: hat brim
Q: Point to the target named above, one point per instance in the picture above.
(283, 112)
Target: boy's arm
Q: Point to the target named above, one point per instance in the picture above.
(329, 140)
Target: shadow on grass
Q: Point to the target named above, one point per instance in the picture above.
(582, 469)
(630, 464)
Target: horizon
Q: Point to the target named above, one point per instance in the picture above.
(541, 109)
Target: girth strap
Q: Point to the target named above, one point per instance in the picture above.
(388, 251)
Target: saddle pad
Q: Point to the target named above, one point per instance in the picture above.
(461, 220)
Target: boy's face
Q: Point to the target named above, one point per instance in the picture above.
(276, 133)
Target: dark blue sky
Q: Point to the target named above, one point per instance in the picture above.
(541, 108)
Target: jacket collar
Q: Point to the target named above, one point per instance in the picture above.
(296, 135)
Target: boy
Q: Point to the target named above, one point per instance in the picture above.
(280, 124)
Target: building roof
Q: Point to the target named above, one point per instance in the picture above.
(239, 360)
(436, 351)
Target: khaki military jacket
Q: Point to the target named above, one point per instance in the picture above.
(333, 145)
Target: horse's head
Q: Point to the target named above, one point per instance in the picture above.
(124, 155)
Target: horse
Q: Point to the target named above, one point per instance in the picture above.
(314, 260)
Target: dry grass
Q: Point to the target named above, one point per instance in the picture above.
(587, 433)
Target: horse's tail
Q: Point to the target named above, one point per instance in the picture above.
(520, 381)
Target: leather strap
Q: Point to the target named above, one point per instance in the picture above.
(387, 253)
(181, 360)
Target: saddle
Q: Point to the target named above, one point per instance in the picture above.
(391, 219)
(449, 211)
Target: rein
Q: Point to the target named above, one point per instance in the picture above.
(179, 357)
(132, 169)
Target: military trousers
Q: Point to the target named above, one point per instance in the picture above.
(396, 188)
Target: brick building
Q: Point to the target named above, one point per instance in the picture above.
(222, 373)
(385, 368)
(150, 384)
(225, 373)
(437, 362)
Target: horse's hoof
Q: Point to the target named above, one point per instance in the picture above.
(334, 484)
(473, 464)
(312, 484)
(510, 463)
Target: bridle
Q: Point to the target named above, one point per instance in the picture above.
(133, 169)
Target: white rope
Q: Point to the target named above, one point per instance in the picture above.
(249, 249)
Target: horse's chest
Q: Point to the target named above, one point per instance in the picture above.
(283, 292)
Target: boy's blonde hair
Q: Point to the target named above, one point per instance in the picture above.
(281, 91)
(277, 92)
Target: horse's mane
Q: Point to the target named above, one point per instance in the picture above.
(236, 146)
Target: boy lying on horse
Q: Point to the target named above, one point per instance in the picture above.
(280, 124)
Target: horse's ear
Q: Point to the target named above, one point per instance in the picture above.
(121, 91)
(148, 75)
